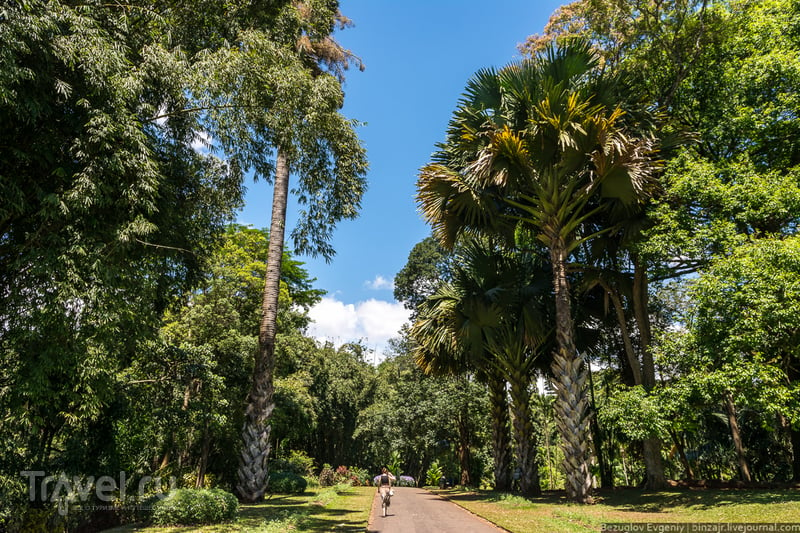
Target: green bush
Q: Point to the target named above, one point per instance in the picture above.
(434, 474)
(298, 462)
(327, 478)
(195, 506)
(13, 502)
(360, 476)
(287, 483)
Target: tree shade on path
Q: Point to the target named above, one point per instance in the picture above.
(416, 510)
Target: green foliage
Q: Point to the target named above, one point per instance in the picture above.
(394, 464)
(427, 266)
(13, 498)
(634, 414)
(360, 476)
(434, 474)
(298, 462)
(417, 416)
(287, 483)
(327, 476)
(196, 506)
(343, 384)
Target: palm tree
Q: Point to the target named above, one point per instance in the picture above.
(490, 316)
(537, 145)
(438, 351)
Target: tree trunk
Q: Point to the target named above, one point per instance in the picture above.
(606, 475)
(653, 466)
(463, 449)
(201, 467)
(793, 374)
(795, 437)
(687, 466)
(253, 470)
(500, 436)
(524, 436)
(651, 447)
(737, 437)
(569, 378)
(622, 322)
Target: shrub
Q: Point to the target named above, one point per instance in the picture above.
(359, 476)
(343, 475)
(195, 506)
(402, 481)
(405, 481)
(301, 461)
(434, 474)
(287, 483)
(298, 462)
(13, 502)
(327, 478)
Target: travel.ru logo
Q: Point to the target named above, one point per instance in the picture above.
(77, 490)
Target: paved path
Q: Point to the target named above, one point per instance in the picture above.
(415, 510)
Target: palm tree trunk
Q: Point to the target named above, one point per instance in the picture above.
(524, 436)
(569, 378)
(253, 472)
(500, 438)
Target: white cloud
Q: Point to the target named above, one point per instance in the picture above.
(379, 283)
(372, 322)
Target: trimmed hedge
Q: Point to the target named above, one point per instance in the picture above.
(195, 506)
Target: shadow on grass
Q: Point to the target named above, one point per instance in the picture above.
(704, 499)
(635, 500)
(308, 516)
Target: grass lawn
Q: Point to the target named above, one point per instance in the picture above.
(338, 508)
(553, 514)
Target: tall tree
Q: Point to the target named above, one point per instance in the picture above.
(492, 317)
(109, 211)
(746, 334)
(310, 137)
(426, 268)
(546, 139)
(726, 71)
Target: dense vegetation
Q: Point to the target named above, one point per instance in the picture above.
(645, 153)
(611, 295)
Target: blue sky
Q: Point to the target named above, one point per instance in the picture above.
(418, 56)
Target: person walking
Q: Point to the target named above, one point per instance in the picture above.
(385, 488)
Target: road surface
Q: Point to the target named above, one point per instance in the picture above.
(415, 510)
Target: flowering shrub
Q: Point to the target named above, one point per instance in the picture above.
(405, 481)
(402, 481)
(342, 474)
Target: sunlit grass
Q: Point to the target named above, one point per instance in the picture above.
(340, 508)
(553, 513)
